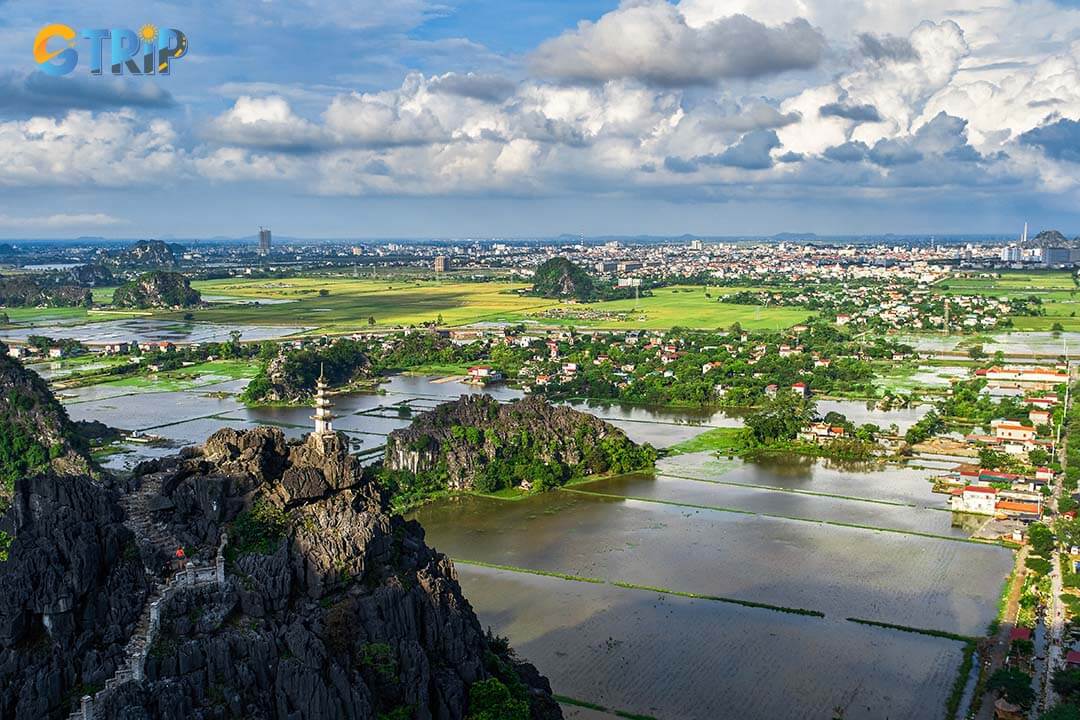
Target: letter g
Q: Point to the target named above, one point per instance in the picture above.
(44, 58)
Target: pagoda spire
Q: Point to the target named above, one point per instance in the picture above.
(323, 417)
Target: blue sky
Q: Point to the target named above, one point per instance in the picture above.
(502, 118)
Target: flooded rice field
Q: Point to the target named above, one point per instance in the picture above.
(674, 657)
(716, 494)
(786, 533)
(147, 330)
(856, 480)
(890, 577)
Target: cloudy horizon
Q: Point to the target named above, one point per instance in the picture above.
(480, 118)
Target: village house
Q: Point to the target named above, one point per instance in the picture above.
(483, 374)
(800, 389)
(974, 499)
(1009, 430)
(821, 432)
(1039, 417)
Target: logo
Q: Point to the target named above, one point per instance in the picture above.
(149, 51)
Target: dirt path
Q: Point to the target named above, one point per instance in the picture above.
(993, 650)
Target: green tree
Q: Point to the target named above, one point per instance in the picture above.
(1066, 683)
(1041, 539)
(1061, 712)
(1013, 685)
(781, 418)
(491, 700)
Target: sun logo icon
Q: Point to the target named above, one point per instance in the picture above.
(148, 34)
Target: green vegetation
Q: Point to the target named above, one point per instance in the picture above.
(20, 455)
(600, 708)
(491, 700)
(157, 289)
(1014, 685)
(258, 529)
(1064, 711)
(560, 278)
(718, 598)
(353, 302)
(721, 440)
(530, 571)
(5, 545)
(956, 693)
(929, 425)
(918, 631)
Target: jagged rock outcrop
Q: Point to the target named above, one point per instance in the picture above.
(149, 253)
(333, 607)
(466, 439)
(561, 278)
(290, 376)
(73, 588)
(70, 577)
(26, 291)
(91, 275)
(35, 432)
(158, 289)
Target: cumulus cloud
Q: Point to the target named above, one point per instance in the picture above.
(492, 88)
(36, 93)
(857, 113)
(268, 123)
(751, 152)
(851, 151)
(108, 149)
(653, 43)
(1059, 140)
(887, 48)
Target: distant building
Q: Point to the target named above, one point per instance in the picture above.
(264, 241)
(442, 263)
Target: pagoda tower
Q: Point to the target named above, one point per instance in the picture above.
(323, 417)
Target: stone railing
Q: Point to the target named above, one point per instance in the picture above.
(146, 631)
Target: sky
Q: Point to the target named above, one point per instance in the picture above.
(526, 118)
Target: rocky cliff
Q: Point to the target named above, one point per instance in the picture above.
(330, 607)
(477, 443)
(290, 376)
(70, 576)
(157, 289)
(26, 291)
(35, 433)
(561, 278)
(149, 253)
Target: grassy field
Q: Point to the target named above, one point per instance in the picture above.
(722, 439)
(1059, 294)
(1019, 282)
(686, 307)
(348, 303)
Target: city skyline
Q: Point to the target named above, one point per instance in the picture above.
(535, 119)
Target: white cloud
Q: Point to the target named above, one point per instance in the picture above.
(652, 42)
(266, 122)
(87, 149)
(61, 220)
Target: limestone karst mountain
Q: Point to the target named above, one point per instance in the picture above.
(298, 596)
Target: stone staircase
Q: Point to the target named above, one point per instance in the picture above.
(140, 521)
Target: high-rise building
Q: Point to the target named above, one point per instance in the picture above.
(264, 241)
(442, 263)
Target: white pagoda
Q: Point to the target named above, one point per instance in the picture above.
(323, 417)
